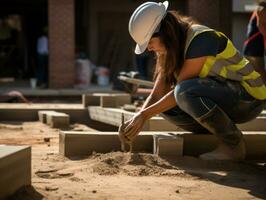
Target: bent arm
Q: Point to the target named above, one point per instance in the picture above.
(191, 69)
(158, 91)
(165, 103)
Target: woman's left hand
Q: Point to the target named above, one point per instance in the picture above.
(134, 126)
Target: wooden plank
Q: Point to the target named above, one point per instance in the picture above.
(113, 116)
(258, 124)
(76, 143)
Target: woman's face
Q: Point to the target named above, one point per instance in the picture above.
(156, 45)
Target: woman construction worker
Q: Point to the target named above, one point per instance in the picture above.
(201, 80)
(254, 45)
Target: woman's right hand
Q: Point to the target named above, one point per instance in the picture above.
(133, 126)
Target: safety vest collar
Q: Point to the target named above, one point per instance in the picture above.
(192, 32)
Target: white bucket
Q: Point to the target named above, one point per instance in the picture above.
(83, 73)
(103, 76)
(33, 83)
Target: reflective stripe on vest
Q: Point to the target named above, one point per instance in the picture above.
(230, 65)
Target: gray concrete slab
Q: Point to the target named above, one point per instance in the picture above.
(15, 169)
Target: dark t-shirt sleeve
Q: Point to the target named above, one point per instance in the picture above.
(204, 44)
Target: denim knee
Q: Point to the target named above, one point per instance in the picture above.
(182, 93)
(192, 96)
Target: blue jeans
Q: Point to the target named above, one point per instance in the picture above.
(213, 105)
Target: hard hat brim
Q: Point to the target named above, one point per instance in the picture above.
(139, 49)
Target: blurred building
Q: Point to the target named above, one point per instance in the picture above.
(97, 28)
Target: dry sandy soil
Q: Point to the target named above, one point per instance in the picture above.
(122, 176)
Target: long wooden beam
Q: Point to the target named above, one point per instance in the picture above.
(113, 116)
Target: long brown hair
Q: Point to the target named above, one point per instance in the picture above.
(172, 34)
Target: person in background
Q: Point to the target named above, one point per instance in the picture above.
(13, 97)
(254, 45)
(42, 59)
(202, 83)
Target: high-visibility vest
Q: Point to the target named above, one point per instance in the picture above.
(229, 64)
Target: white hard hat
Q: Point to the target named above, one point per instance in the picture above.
(144, 21)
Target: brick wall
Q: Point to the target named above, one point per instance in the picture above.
(213, 13)
(61, 43)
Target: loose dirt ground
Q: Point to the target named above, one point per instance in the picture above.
(122, 176)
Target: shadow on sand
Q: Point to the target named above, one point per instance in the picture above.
(245, 175)
(26, 193)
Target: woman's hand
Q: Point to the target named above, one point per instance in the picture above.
(134, 126)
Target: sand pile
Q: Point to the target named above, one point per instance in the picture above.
(136, 164)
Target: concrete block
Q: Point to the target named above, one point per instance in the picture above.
(105, 99)
(90, 100)
(42, 114)
(15, 169)
(115, 100)
(75, 143)
(168, 145)
(58, 120)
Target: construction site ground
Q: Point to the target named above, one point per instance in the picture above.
(118, 175)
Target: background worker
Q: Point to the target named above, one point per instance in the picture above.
(254, 45)
(201, 80)
(42, 53)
